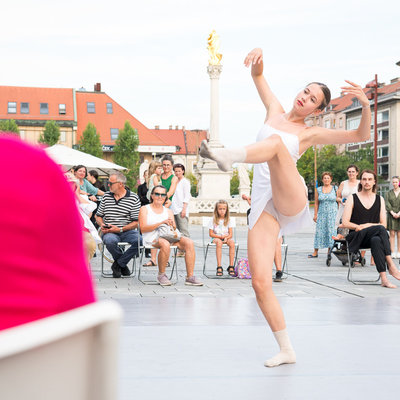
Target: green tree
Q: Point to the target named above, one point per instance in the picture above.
(90, 141)
(9, 125)
(126, 154)
(51, 133)
(235, 182)
(193, 184)
(305, 166)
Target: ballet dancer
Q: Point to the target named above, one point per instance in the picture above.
(279, 194)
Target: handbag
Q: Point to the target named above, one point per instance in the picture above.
(168, 232)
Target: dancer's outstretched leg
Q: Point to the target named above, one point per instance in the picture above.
(223, 157)
(254, 153)
(261, 249)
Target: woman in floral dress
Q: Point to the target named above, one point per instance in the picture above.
(325, 211)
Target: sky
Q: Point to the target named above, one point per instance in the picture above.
(151, 56)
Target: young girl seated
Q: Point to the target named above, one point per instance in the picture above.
(220, 230)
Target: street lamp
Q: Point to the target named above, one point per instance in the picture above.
(374, 85)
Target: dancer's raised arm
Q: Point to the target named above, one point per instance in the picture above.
(271, 103)
(320, 135)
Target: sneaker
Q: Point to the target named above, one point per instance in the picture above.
(125, 271)
(398, 255)
(278, 276)
(180, 254)
(193, 281)
(116, 269)
(163, 280)
(393, 255)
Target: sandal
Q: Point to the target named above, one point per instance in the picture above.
(220, 271)
(231, 270)
(149, 264)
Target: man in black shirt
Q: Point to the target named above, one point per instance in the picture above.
(365, 215)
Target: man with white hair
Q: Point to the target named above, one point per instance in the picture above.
(118, 215)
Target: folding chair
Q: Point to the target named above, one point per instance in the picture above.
(285, 268)
(68, 356)
(207, 244)
(174, 251)
(105, 255)
(351, 258)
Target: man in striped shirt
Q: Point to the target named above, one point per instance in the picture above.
(118, 215)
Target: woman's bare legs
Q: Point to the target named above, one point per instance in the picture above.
(231, 245)
(261, 249)
(392, 241)
(218, 250)
(398, 243)
(163, 254)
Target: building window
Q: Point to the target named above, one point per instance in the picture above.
(383, 116)
(383, 170)
(114, 133)
(22, 135)
(44, 108)
(383, 152)
(12, 107)
(352, 123)
(62, 109)
(63, 136)
(91, 108)
(24, 108)
(341, 123)
(109, 108)
(327, 123)
(383, 134)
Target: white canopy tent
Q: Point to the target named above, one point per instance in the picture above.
(68, 158)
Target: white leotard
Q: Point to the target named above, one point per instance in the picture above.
(261, 194)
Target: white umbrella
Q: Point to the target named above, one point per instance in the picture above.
(68, 158)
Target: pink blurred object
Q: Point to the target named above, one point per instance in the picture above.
(42, 262)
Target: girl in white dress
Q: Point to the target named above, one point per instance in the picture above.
(279, 195)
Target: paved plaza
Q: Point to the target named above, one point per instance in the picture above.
(210, 342)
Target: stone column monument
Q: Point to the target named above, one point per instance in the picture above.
(214, 184)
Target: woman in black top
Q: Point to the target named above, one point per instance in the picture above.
(142, 190)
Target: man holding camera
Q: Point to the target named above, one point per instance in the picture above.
(117, 216)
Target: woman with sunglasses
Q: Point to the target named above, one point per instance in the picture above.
(151, 217)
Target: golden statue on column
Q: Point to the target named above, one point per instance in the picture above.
(213, 48)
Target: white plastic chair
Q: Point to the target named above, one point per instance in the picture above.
(207, 244)
(68, 356)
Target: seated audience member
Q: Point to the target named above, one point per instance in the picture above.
(220, 231)
(86, 187)
(365, 215)
(43, 265)
(142, 189)
(86, 208)
(150, 218)
(93, 178)
(118, 217)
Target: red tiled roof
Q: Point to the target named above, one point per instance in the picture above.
(34, 96)
(104, 122)
(342, 102)
(193, 140)
(176, 137)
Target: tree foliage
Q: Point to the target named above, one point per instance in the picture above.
(9, 125)
(235, 182)
(193, 184)
(51, 133)
(126, 154)
(90, 141)
(328, 159)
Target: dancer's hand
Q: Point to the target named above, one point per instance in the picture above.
(357, 91)
(254, 57)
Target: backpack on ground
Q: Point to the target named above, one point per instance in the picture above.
(242, 270)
